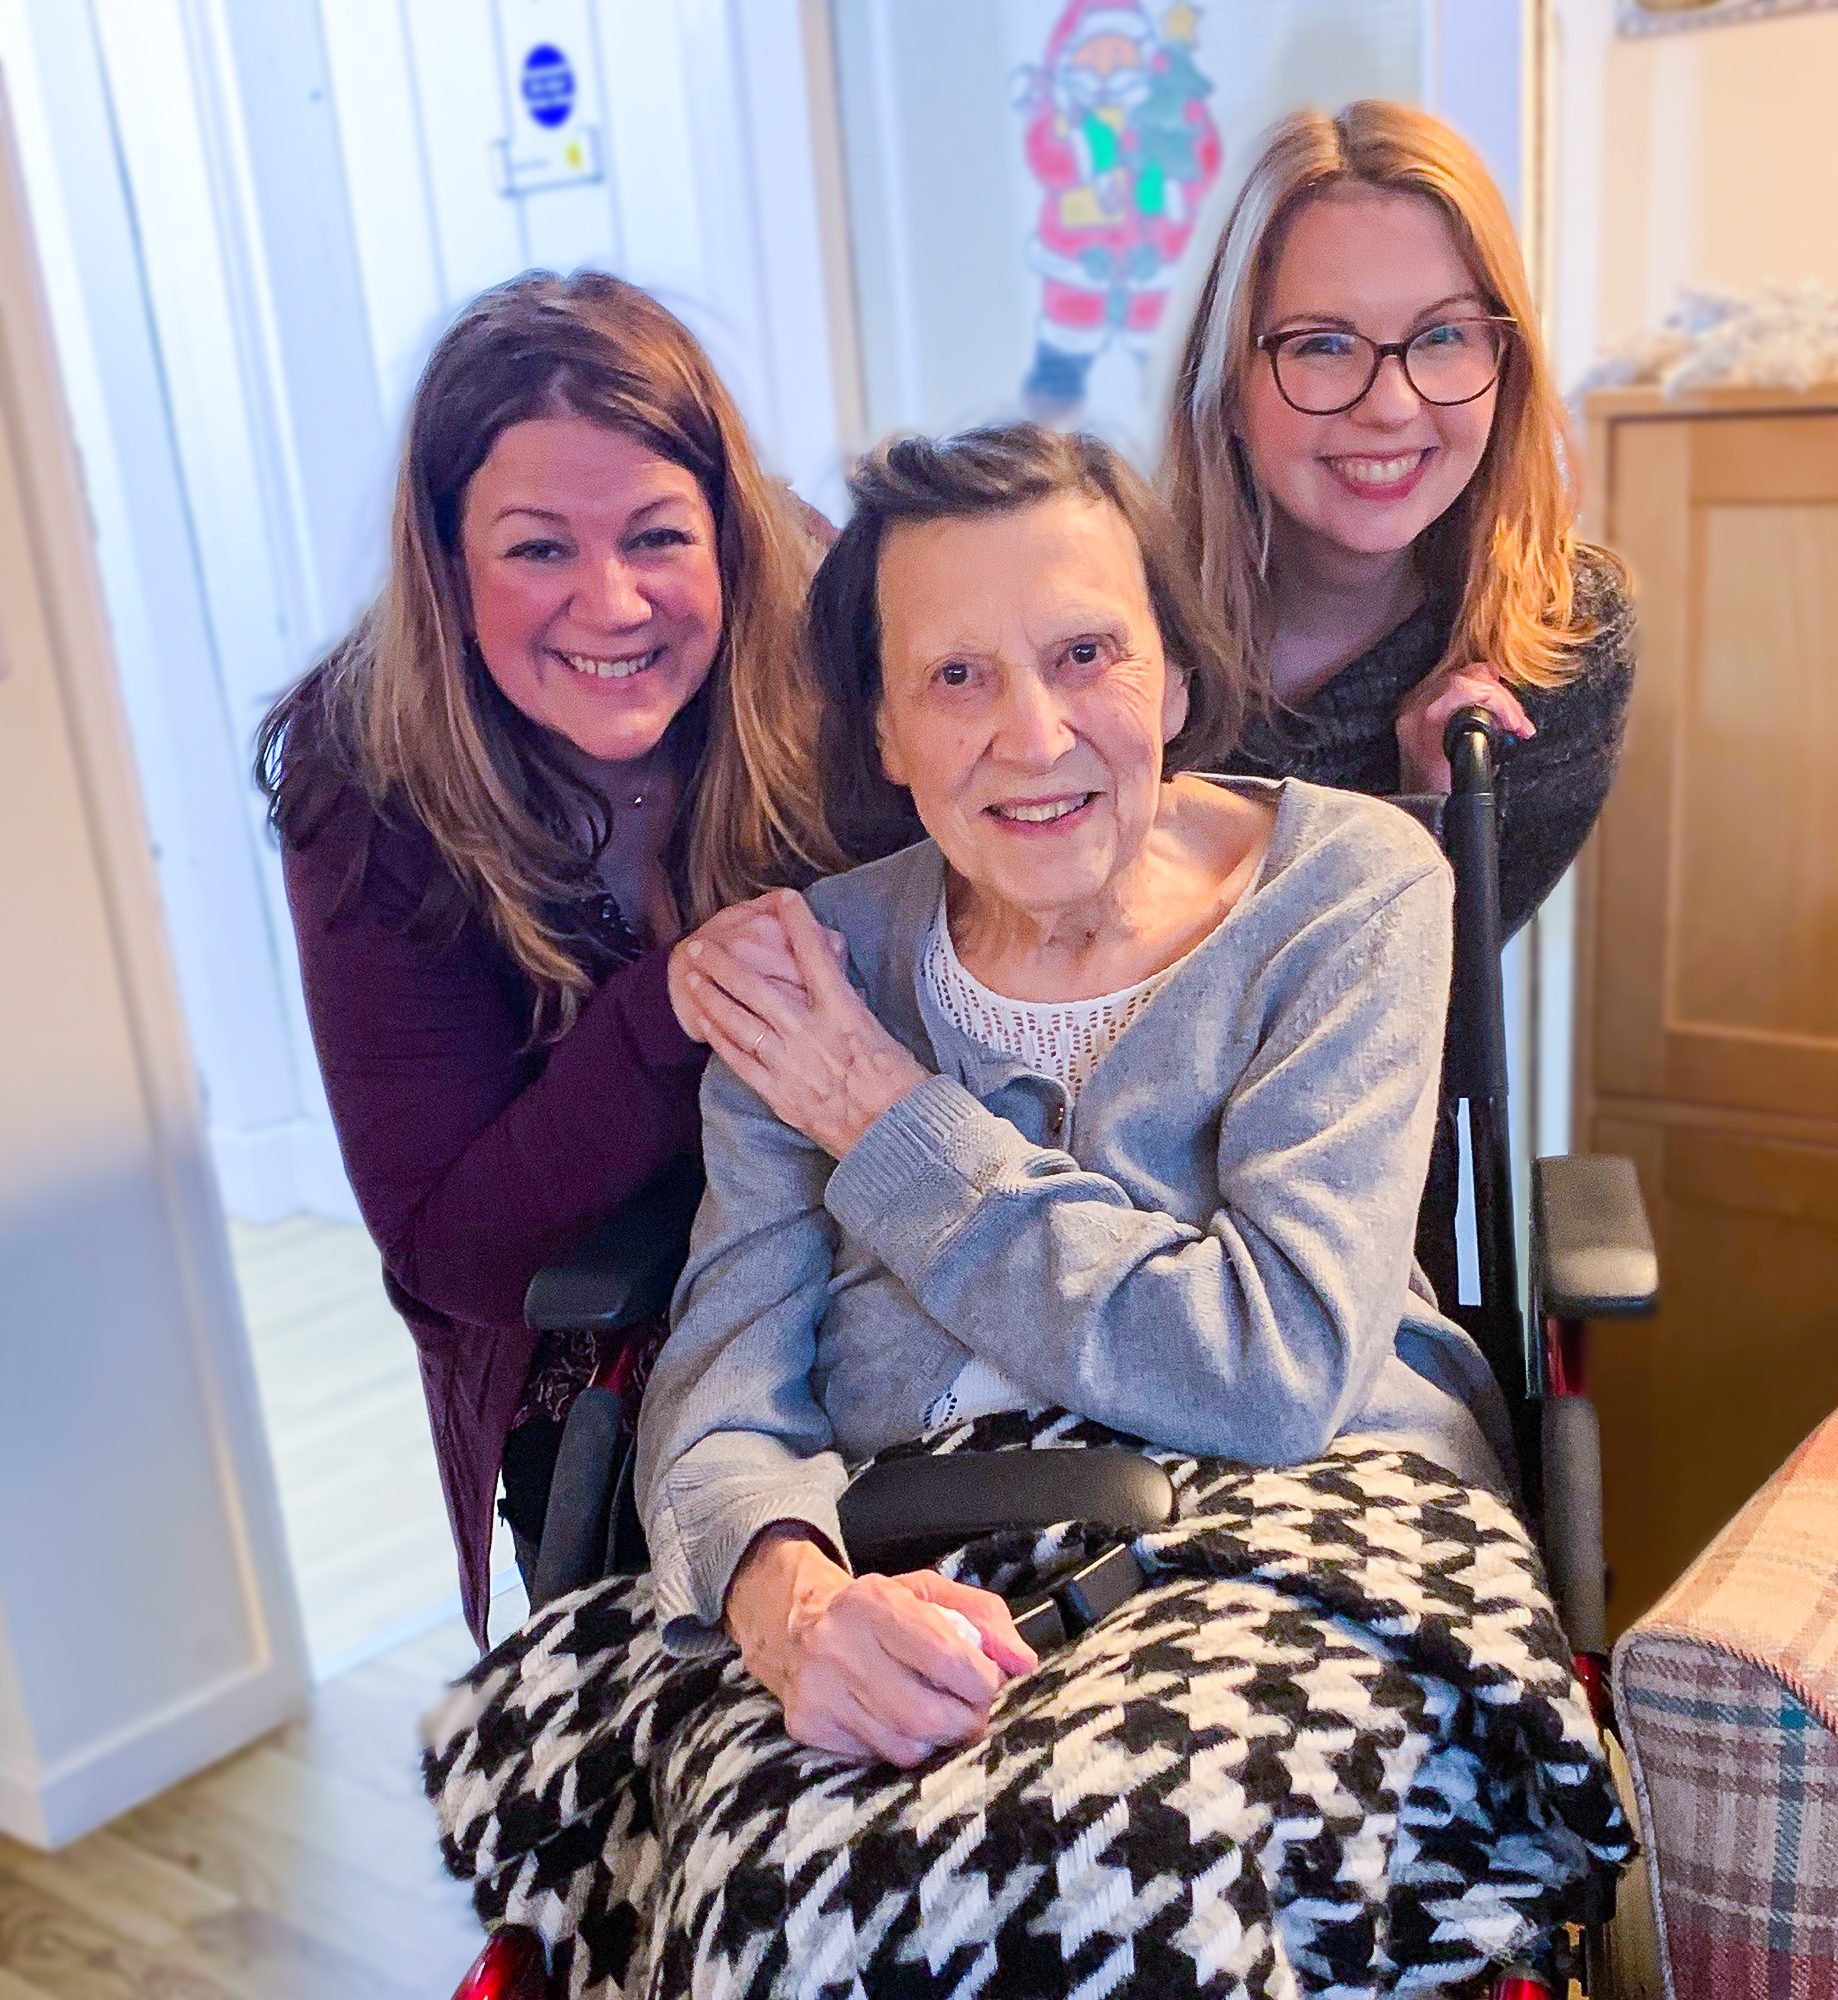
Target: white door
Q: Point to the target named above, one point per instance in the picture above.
(147, 1623)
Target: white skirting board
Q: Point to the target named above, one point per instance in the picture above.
(109, 1778)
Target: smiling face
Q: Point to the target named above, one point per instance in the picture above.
(1369, 480)
(1025, 698)
(594, 590)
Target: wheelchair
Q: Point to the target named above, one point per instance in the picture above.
(1591, 1257)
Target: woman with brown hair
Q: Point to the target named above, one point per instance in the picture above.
(1371, 464)
(572, 727)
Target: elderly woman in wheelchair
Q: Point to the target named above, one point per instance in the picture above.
(1099, 1116)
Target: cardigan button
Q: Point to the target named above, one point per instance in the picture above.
(1056, 1120)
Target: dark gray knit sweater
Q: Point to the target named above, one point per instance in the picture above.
(1551, 786)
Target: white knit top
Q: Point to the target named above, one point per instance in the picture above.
(1063, 1039)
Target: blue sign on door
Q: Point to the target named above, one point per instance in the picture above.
(548, 85)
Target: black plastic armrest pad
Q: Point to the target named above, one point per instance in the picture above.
(625, 1269)
(1592, 1250)
(897, 1511)
(574, 1529)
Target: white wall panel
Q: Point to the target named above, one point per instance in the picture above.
(377, 99)
(194, 781)
(480, 237)
(652, 146)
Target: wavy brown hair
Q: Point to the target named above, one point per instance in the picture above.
(404, 710)
(1509, 542)
(992, 470)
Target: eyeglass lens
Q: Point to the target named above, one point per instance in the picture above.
(1322, 371)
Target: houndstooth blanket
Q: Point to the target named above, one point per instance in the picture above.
(1335, 1748)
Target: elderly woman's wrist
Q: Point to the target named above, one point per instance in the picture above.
(785, 1567)
(876, 1081)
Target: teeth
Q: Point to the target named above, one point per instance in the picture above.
(1041, 814)
(1378, 471)
(611, 670)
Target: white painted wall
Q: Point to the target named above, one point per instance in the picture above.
(146, 1619)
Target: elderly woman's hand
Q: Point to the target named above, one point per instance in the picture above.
(1422, 764)
(817, 1056)
(869, 1667)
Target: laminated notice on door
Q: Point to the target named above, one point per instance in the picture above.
(551, 89)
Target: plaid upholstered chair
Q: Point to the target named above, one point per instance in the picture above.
(1727, 1692)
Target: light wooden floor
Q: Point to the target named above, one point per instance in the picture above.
(348, 1431)
(303, 1869)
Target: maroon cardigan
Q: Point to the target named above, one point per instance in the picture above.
(475, 1160)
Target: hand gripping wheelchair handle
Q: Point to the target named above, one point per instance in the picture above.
(1472, 739)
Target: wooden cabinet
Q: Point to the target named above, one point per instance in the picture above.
(1708, 996)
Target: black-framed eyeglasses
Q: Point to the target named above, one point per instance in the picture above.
(1322, 370)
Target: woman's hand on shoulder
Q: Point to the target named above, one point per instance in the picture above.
(812, 1051)
(869, 1667)
(753, 936)
(1422, 765)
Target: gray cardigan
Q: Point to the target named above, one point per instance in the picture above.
(1215, 1255)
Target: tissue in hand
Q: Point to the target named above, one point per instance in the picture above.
(963, 1625)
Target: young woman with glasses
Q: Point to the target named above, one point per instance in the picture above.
(1371, 464)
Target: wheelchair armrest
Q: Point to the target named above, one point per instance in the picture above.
(577, 1526)
(1426, 808)
(905, 1512)
(1592, 1249)
(626, 1269)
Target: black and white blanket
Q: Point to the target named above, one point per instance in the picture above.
(1336, 1748)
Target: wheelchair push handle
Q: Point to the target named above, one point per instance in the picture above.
(1472, 740)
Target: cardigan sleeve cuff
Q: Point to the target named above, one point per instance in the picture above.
(642, 992)
(693, 1560)
(921, 1171)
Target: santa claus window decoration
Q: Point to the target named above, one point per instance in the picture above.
(1122, 142)
(1034, 185)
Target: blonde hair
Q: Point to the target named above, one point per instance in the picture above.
(404, 707)
(1509, 541)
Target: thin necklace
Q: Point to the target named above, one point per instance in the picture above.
(645, 788)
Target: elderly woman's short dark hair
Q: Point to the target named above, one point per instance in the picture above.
(984, 472)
